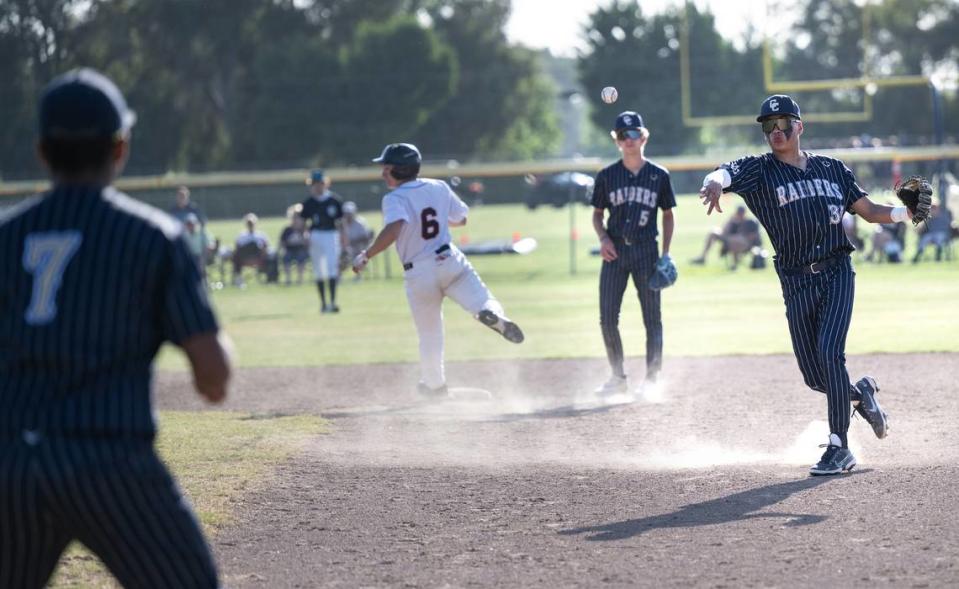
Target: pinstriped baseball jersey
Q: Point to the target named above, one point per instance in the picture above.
(801, 210)
(633, 199)
(91, 283)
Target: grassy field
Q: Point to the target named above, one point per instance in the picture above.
(711, 310)
(215, 456)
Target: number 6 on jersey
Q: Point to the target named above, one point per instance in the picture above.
(45, 255)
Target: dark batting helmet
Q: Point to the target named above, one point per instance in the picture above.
(399, 154)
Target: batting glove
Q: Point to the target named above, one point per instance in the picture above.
(360, 261)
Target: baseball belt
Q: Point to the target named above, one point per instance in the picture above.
(439, 250)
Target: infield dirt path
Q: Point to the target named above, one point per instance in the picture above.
(545, 486)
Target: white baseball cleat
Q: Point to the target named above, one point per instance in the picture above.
(616, 385)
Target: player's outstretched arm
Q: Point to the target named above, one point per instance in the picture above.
(712, 189)
(210, 358)
(383, 240)
(876, 213)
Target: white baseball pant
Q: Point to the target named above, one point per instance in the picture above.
(325, 254)
(429, 280)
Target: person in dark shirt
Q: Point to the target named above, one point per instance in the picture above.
(92, 282)
(324, 212)
(183, 207)
(295, 245)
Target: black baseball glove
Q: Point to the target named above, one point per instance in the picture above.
(916, 193)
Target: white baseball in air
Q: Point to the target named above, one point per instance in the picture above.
(609, 94)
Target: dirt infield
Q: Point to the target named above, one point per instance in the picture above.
(544, 485)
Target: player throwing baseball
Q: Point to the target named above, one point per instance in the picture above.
(800, 197)
(418, 213)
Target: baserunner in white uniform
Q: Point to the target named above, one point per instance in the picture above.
(418, 213)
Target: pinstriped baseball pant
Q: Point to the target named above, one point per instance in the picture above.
(639, 262)
(113, 495)
(819, 311)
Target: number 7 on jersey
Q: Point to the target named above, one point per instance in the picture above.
(45, 255)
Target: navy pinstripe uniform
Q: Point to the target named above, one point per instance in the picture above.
(802, 211)
(91, 283)
(633, 201)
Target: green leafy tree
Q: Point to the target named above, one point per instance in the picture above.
(503, 104)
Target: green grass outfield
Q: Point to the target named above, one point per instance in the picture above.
(711, 310)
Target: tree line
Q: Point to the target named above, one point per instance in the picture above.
(257, 84)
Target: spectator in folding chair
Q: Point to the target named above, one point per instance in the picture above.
(251, 249)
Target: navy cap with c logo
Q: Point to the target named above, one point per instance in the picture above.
(628, 119)
(778, 105)
(83, 104)
(317, 176)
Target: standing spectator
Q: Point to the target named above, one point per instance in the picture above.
(183, 206)
(358, 232)
(252, 249)
(295, 244)
(324, 210)
(92, 282)
(198, 240)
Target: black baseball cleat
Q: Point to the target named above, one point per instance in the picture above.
(835, 460)
(869, 408)
(440, 392)
(501, 325)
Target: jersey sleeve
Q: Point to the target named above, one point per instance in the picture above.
(745, 174)
(666, 196)
(393, 210)
(600, 198)
(851, 189)
(186, 306)
(458, 208)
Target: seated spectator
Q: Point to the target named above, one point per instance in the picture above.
(887, 243)
(295, 244)
(358, 233)
(183, 206)
(251, 249)
(936, 231)
(739, 236)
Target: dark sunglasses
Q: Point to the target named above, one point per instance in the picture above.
(624, 134)
(770, 125)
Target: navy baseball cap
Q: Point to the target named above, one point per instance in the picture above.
(83, 104)
(628, 119)
(317, 176)
(399, 154)
(778, 105)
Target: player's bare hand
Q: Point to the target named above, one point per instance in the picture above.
(360, 262)
(711, 193)
(607, 250)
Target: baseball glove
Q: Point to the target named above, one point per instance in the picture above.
(665, 274)
(916, 193)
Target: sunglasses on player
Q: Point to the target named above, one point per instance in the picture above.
(624, 134)
(781, 123)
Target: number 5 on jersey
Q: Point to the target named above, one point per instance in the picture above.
(46, 255)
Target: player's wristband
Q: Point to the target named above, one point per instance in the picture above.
(899, 214)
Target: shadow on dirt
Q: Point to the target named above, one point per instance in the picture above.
(732, 508)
